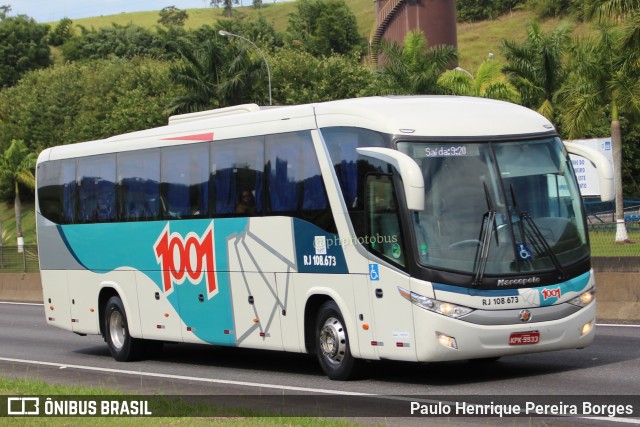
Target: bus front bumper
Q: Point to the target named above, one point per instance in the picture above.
(441, 338)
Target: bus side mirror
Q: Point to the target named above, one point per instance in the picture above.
(410, 172)
(602, 165)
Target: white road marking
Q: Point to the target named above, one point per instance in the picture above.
(183, 377)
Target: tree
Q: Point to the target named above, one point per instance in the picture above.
(227, 4)
(4, 10)
(17, 168)
(260, 31)
(244, 73)
(303, 78)
(122, 41)
(257, 4)
(199, 73)
(411, 68)
(603, 80)
(171, 16)
(61, 33)
(535, 66)
(554, 8)
(23, 47)
(84, 101)
(323, 27)
(627, 13)
(489, 82)
(479, 10)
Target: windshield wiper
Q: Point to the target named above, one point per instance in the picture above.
(487, 229)
(535, 235)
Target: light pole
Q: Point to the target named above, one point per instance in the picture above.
(228, 34)
(464, 71)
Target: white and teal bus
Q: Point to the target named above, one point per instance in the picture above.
(416, 229)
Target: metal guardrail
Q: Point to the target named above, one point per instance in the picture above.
(13, 260)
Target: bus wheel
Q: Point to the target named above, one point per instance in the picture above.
(332, 343)
(122, 345)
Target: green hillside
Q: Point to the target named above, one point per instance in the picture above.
(276, 13)
(475, 40)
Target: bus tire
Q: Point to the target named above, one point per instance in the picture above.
(122, 346)
(332, 343)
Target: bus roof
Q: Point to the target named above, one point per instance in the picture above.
(435, 116)
(428, 116)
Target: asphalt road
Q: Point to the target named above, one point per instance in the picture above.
(610, 367)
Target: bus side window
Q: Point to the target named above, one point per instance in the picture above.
(96, 189)
(385, 235)
(294, 181)
(351, 168)
(57, 191)
(237, 170)
(185, 181)
(139, 185)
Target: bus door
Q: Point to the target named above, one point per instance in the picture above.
(393, 320)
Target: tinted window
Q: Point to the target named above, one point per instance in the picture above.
(237, 169)
(295, 185)
(352, 168)
(185, 181)
(96, 188)
(385, 235)
(139, 185)
(57, 191)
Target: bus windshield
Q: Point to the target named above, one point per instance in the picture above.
(497, 208)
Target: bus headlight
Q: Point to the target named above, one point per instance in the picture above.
(432, 304)
(584, 298)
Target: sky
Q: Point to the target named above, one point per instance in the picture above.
(55, 10)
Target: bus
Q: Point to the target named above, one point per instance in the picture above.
(415, 228)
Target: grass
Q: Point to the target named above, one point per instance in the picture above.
(477, 39)
(603, 244)
(7, 216)
(182, 413)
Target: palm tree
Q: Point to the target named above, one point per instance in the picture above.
(246, 76)
(535, 68)
(489, 82)
(199, 73)
(16, 167)
(217, 76)
(603, 80)
(412, 68)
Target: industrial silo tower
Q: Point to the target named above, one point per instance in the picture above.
(396, 18)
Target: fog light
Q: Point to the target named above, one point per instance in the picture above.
(586, 328)
(447, 341)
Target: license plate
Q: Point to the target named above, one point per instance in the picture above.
(524, 338)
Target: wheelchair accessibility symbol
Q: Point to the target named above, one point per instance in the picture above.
(524, 251)
(374, 272)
